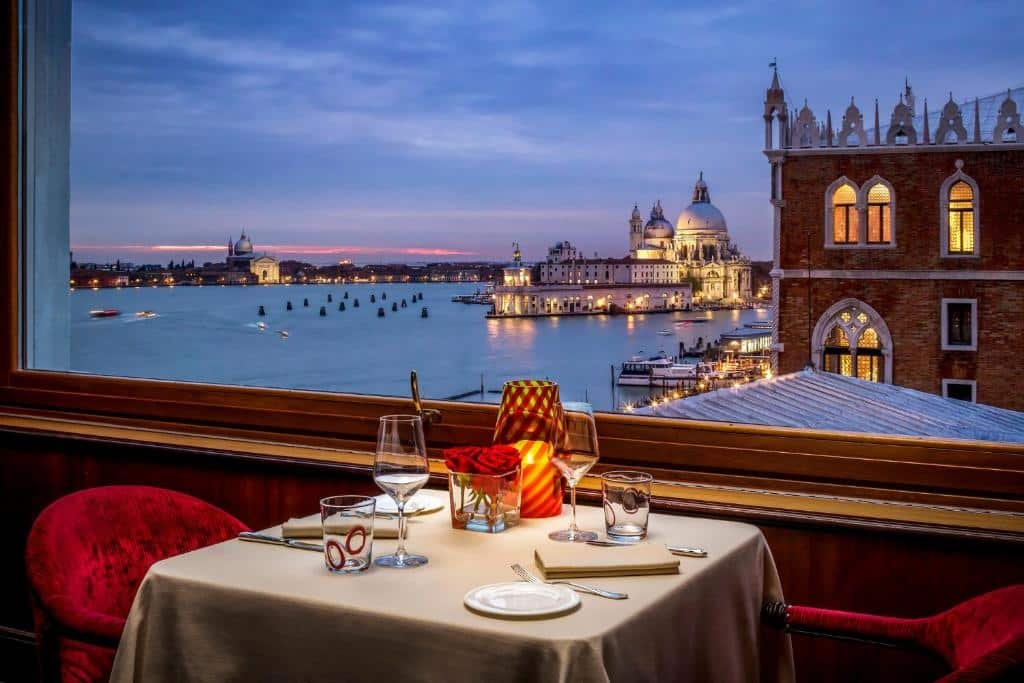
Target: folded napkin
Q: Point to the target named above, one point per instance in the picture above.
(576, 560)
(311, 527)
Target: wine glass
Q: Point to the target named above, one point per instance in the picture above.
(574, 460)
(400, 468)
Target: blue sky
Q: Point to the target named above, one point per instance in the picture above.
(385, 131)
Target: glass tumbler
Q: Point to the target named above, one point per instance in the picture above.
(348, 532)
(627, 504)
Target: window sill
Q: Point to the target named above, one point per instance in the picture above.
(672, 493)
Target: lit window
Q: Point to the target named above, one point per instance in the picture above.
(879, 215)
(844, 215)
(853, 341)
(961, 219)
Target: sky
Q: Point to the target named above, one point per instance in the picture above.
(408, 131)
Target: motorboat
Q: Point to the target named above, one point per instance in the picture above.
(283, 334)
(145, 314)
(639, 371)
(665, 332)
(104, 313)
(261, 326)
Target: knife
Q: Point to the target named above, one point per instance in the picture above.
(277, 540)
(685, 551)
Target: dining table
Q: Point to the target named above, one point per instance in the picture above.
(242, 611)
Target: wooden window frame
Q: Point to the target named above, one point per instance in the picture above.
(751, 471)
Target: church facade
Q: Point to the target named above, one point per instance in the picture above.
(669, 267)
(242, 262)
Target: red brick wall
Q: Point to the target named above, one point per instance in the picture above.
(916, 178)
(911, 308)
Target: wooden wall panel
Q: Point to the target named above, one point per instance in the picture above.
(885, 572)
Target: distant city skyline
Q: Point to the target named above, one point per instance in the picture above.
(398, 132)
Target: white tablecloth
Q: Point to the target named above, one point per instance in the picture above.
(242, 611)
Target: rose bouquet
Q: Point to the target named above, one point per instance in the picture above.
(485, 487)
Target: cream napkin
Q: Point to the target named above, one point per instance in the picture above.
(310, 527)
(576, 560)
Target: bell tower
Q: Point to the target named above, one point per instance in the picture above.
(636, 229)
(775, 107)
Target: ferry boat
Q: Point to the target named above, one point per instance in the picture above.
(104, 312)
(484, 298)
(660, 369)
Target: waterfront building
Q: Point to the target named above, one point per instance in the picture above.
(242, 262)
(696, 250)
(897, 250)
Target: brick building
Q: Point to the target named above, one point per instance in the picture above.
(899, 252)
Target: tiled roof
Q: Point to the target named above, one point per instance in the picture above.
(823, 400)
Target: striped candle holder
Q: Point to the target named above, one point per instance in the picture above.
(531, 418)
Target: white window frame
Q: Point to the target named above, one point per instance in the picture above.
(944, 214)
(944, 332)
(973, 384)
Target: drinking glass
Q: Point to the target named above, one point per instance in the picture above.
(574, 460)
(400, 468)
(348, 532)
(627, 504)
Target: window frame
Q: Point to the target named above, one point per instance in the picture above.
(944, 190)
(973, 384)
(891, 210)
(830, 207)
(944, 331)
(706, 467)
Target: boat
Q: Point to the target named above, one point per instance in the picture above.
(665, 332)
(485, 298)
(283, 333)
(145, 314)
(261, 326)
(104, 312)
(639, 371)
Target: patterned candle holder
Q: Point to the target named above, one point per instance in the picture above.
(532, 419)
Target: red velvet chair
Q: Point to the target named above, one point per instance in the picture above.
(87, 554)
(981, 639)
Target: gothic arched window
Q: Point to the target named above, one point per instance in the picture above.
(844, 215)
(851, 339)
(959, 215)
(961, 218)
(880, 213)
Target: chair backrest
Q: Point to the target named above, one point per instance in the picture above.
(88, 552)
(986, 627)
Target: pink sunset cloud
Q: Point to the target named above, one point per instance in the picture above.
(291, 249)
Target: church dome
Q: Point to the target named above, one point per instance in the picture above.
(243, 246)
(657, 227)
(701, 214)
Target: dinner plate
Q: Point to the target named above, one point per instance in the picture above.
(417, 505)
(522, 600)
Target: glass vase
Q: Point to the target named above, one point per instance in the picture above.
(485, 502)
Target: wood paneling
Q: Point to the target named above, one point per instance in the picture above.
(889, 572)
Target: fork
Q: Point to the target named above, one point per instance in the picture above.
(523, 574)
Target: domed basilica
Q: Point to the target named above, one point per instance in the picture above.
(242, 261)
(698, 243)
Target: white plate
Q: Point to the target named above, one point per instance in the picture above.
(417, 505)
(523, 600)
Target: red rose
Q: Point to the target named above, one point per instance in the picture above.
(462, 460)
(498, 460)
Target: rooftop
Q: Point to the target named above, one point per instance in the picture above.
(821, 400)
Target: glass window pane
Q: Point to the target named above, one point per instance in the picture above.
(967, 224)
(961, 191)
(868, 339)
(844, 195)
(955, 244)
(874, 224)
(839, 224)
(878, 194)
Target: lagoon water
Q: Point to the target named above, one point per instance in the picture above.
(209, 334)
